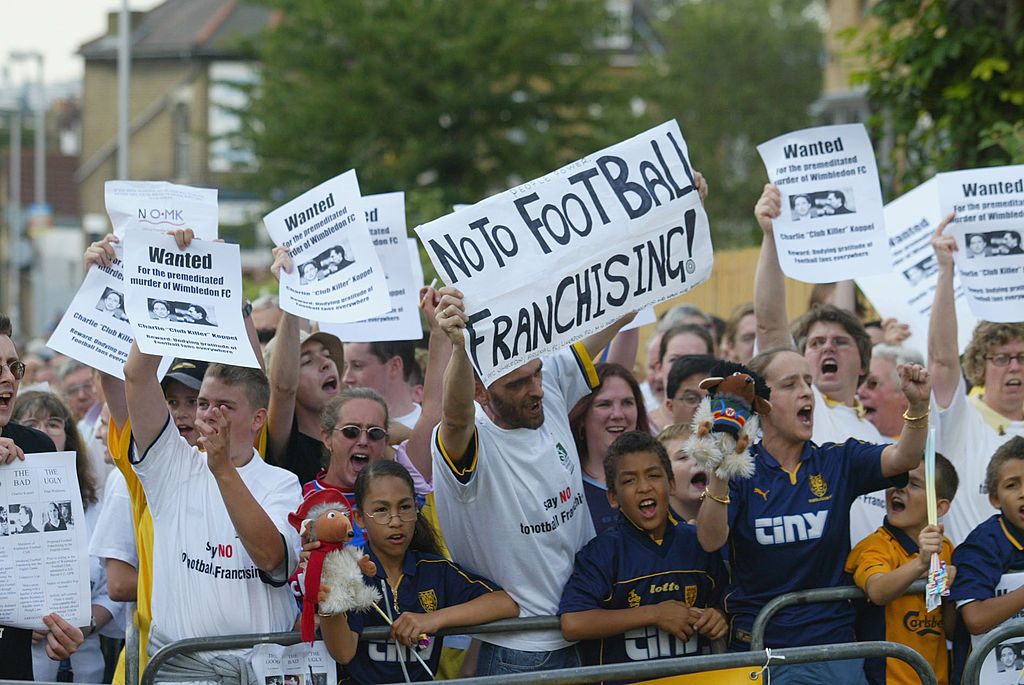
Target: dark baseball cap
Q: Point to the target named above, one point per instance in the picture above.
(187, 372)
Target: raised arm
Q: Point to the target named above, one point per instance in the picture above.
(598, 341)
(146, 406)
(769, 281)
(713, 515)
(907, 452)
(457, 407)
(943, 351)
(253, 525)
(283, 373)
(439, 351)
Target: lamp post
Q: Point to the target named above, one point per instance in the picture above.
(40, 141)
(21, 309)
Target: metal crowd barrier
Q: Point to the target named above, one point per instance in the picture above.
(972, 669)
(645, 670)
(826, 594)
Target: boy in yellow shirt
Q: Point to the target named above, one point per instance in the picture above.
(884, 565)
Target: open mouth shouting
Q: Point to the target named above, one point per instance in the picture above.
(829, 367)
(330, 385)
(359, 462)
(805, 415)
(897, 505)
(699, 481)
(6, 400)
(648, 507)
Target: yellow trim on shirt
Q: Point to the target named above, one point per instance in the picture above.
(451, 464)
(857, 406)
(792, 474)
(587, 363)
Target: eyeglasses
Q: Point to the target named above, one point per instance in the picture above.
(838, 342)
(406, 513)
(73, 390)
(375, 433)
(17, 369)
(689, 397)
(996, 359)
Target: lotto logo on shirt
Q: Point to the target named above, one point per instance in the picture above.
(781, 530)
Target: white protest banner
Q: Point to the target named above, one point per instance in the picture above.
(187, 303)
(831, 227)
(385, 217)
(556, 259)
(44, 544)
(160, 206)
(989, 205)
(907, 292)
(94, 329)
(337, 277)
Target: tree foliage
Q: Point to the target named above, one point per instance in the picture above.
(946, 79)
(736, 73)
(448, 100)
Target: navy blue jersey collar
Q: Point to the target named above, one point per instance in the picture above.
(908, 544)
(408, 566)
(631, 529)
(1014, 534)
(770, 460)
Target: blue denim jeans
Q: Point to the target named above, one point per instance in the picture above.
(495, 660)
(847, 672)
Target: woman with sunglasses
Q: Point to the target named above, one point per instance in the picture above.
(353, 428)
(422, 591)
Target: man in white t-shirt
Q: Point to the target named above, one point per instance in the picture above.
(223, 548)
(838, 348)
(971, 429)
(508, 484)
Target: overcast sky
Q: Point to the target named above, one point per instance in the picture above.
(57, 28)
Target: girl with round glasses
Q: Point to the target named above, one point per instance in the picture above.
(422, 591)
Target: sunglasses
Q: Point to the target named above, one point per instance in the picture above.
(17, 369)
(374, 433)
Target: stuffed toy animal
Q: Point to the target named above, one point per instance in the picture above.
(726, 423)
(322, 516)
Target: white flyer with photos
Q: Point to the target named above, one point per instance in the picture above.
(44, 544)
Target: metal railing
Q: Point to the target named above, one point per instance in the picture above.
(972, 669)
(587, 674)
(815, 596)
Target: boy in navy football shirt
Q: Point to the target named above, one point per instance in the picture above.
(644, 588)
(989, 585)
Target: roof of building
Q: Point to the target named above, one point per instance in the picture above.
(185, 28)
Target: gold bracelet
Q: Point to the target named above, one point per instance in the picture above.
(923, 424)
(720, 500)
(910, 419)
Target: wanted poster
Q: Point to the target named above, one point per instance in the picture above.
(988, 228)
(556, 259)
(337, 277)
(44, 544)
(831, 227)
(94, 329)
(186, 303)
(908, 291)
(385, 218)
